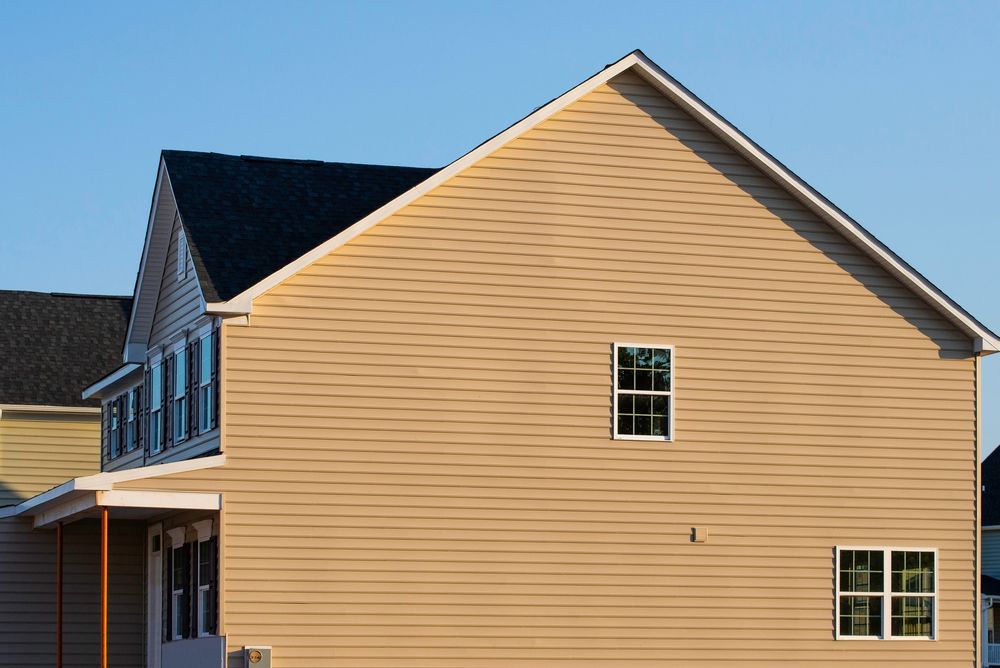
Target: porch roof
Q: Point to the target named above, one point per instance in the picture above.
(83, 497)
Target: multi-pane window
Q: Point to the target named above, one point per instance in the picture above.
(156, 408)
(180, 395)
(115, 429)
(131, 430)
(206, 399)
(886, 592)
(178, 591)
(643, 391)
(206, 595)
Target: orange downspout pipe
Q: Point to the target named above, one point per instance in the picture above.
(104, 587)
(59, 594)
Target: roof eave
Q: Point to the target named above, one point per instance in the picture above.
(985, 342)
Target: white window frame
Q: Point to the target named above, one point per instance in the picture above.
(886, 594)
(205, 386)
(155, 412)
(671, 434)
(204, 529)
(177, 536)
(180, 397)
(181, 252)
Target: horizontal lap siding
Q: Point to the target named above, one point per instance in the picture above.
(27, 594)
(178, 305)
(40, 451)
(419, 466)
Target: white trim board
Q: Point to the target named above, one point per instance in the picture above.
(105, 482)
(984, 341)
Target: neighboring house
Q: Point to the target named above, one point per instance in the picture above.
(50, 346)
(613, 389)
(990, 568)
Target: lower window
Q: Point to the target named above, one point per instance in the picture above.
(886, 592)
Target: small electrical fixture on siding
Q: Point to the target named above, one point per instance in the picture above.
(643, 391)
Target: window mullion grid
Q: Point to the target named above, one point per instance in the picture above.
(886, 593)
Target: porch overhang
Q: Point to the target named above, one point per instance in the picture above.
(121, 504)
(87, 496)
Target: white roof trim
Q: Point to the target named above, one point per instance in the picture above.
(985, 341)
(105, 482)
(147, 500)
(30, 408)
(118, 374)
(147, 288)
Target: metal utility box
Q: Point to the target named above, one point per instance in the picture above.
(257, 656)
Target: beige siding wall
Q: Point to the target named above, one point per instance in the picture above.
(27, 594)
(417, 426)
(41, 450)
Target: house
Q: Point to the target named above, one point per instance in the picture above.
(615, 388)
(990, 541)
(50, 346)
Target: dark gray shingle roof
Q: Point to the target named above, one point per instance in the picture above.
(246, 217)
(52, 346)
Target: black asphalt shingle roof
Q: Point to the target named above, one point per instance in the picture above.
(246, 217)
(52, 346)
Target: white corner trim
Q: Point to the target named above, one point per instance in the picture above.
(118, 374)
(986, 341)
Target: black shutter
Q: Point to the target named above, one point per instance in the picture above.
(168, 401)
(145, 412)
(106, 431)
(140, 423)
(216, 331)
(168, 592)
(192, 388)
(186, 598)
(213, 595)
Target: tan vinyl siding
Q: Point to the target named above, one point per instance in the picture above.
(41, 450)
(27, 604)
(417, 426)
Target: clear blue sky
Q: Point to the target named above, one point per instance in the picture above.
(891, 109)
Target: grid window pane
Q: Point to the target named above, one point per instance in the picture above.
(205, 346)
(861, 615)
(862, 571)
(911, 615)
(642, 377)
(912, 572)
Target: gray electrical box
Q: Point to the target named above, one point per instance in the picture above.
(257, 656)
